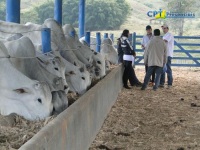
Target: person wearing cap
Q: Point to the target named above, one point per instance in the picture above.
(169, 40)
(128, 57)
(146, 38)
(155, 57)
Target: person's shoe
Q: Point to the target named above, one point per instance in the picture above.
(151, 84)
(155, 88)
(161, 86)
(127, 87)
(169, 86)
(143, 88)
(139, 84)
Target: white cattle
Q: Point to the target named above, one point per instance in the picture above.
(109, 52)
(96, 59)
(93, 42)
(22, 49)
(21, 95)
(73, 73)
(74, 45)
(77, 78)
(59, 43)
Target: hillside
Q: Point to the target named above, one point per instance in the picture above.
(138, 18)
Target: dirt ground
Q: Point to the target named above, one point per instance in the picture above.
(166, 119)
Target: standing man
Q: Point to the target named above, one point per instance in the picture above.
(169, 40)
(155, 57)
(144, 42)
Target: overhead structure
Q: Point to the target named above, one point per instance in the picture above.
(13, 11)
(81, 18)
(46, 40)
(58, 11)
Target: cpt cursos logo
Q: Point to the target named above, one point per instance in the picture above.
(162, 14)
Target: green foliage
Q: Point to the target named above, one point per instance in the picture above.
(100, 15)
(106, 15)
(2, 10)
(148, 5)
(180, 6)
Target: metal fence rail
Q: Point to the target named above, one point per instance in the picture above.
(186, 54)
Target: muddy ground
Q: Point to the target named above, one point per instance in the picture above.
(166, 119)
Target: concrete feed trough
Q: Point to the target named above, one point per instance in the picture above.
(76, 127)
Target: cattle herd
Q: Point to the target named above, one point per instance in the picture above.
(35, 85)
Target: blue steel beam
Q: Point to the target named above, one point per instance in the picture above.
(58, 11)
(13, 11)
(46, 40)
(105, 35)
(87, 38)
(98, 41)
(81, 18)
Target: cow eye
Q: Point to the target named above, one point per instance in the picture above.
(98, 62)
(83, 78)
(39, 100)
(56, 69)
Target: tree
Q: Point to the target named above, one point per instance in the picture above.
(180, 6)
(100, 15)
(2, 10)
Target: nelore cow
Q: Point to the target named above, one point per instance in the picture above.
(108, 50)
(21, 95)
(96, 59)
(45, 69)
(74, 74)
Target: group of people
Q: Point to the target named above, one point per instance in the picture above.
(158, 53)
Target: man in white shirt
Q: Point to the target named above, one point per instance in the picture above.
(169, 40)
(146, 38)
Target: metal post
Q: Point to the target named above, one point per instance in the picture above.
(58, 11)
(112, 37)
(131, 38)
(46, 40)
(87, 38)
(105, 35)
(134, 40)
(98, 41)
(13, 11)
(81, 18)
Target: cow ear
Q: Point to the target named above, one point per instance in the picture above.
(21, 91)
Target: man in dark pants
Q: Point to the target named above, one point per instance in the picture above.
(155, 57)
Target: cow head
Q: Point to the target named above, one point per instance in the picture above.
(78, 80)
(60, 102)
(33, 102)
(109, 52)
(55, 66)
